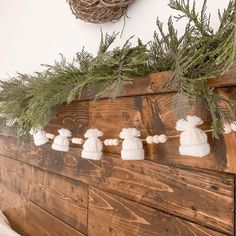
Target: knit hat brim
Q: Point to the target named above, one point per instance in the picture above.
(199, 150)
(42, 141)
(91, 155)
(132, 154)
(60, 148)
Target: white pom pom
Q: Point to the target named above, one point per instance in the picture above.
(93, 133)
(115, 142)
(188, 122)
(77, 141)
(129, 133)
(111, 142)
(162, 138)
(64, 132)
(149, 139)
(106, 142)
(155, 139)
(227, 128)
(50, 136)
(233, 126)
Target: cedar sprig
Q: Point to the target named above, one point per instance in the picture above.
(198, 55)
(195, 57)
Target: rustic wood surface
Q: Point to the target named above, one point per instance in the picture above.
(63, 198)
(73, 116)
(153, 84)
(50, 193)
(29, 219)
(188, 194)
(130, 218)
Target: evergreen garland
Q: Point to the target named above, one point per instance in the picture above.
(198, 55)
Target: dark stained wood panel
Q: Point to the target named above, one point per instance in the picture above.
(190, 194)
(50, 193)
(73, 116)
(64, 198)
(230, 140)
(113, 215)
(153, 84)
(29, 219)
(153, 115)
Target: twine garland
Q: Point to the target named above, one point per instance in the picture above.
(99, 11)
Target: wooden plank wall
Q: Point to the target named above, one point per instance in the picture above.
(45, 192)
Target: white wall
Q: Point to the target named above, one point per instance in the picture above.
(33, 32)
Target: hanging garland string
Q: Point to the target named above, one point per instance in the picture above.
(193, 140)
(200, 54)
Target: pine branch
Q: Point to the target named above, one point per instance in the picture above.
(195, 57)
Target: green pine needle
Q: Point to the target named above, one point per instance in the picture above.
(198, 55)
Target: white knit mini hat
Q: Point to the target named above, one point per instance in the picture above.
(39, 137)
(61, 141)
(92, 148)
(193, 140)
(132, 146)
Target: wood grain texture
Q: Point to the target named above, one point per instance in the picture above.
(73, 116)
(63, 198)
(45, 192)
(230, 140)
(152, 84)
(190, 194)
(153, 115)
(113, 215)
(29, 219)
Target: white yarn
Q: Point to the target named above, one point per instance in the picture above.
(149, 140)
(93, 133)
(64, 132)
(227, 128)
(233, 126)
(61, 141)
(78, 141)
(50, 136)
(188, 123)
(111, 142)
(155, 139)
(162, 138)
(92, 148)
(129, 133)
(193, 140)
(132, 146)
(39, 137)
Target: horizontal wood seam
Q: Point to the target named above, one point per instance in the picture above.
(160, 78)
(55, 217)
(128, 198)
(162, 211)
(26, 197)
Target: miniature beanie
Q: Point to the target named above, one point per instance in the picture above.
(39, 137)
(92, 148)
(61, 141)
(132, 146)
(193, 141)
